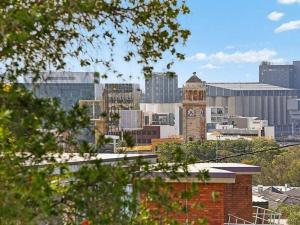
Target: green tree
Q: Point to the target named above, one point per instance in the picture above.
(38, 35)
(291, 212)
(285, 167)
(278, 166)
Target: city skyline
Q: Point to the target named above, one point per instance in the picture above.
(229, 40)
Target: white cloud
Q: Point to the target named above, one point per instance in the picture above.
(244, 57)
(251, 56)
(209, 66)
(288, 2)
(198, 56)
(292, 25)
(275, 16)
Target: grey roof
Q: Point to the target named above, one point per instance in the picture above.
(194, 79)
(273, 190)
(276, 197)
(294, 192)
(248, 86)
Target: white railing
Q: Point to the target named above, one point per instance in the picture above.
(265, 216)
(261, 216)
(234, 220)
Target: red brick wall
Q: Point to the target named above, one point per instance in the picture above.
(238, 198)
(213, 210)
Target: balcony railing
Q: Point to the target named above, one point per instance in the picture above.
(261, 216)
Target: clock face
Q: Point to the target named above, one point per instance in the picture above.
(190, 112)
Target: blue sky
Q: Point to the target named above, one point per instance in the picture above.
(231, 37)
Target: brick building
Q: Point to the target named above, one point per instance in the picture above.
(232, 182)
(142, 136)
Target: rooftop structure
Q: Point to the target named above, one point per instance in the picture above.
(194, 79)
(248, 86)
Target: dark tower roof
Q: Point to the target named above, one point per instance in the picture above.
(194, 79)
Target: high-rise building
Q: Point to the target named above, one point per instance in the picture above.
(280, 75)
(68, 87)
(118, 97)
(162, 88)
(194, 106)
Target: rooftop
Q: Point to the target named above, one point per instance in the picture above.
(218, 172)
(62, 77)
(248, 86)
(194, 79)
(78, 159)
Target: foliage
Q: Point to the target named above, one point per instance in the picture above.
(278, 166)
(216, 150)
(36, 184)
(38, 35)
(281, 168)
(291, 212)
(35, 187)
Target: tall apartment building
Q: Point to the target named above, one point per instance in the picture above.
(68, 87)
(161, 88)
(280, 75)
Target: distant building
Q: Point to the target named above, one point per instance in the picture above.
(194, 106)
(161, 88)
(277, 195)
(95, 110)
(216, 115)
(168, 116)
(280, 75)
(68, 87)
(264, 101)
(141, 136)
(130, 119)
(118, 97)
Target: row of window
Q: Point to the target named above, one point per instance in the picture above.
(145, 132)
(142, 141)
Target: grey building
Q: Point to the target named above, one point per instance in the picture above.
(68, 87)
(267, 102)
(280, 75)
(161, 88)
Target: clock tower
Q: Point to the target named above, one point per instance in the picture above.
(194, 104)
